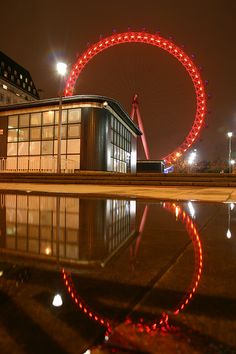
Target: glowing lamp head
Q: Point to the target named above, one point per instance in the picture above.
(61, 68)
(230, 134)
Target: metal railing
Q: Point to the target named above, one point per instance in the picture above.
(43, 164)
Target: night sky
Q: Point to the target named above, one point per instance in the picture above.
(38, 33)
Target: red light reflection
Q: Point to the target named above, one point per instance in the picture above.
(161, 324)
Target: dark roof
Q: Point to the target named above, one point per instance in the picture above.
(17, 76)
(115, 105)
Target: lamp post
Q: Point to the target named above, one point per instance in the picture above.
(230, 134)
(61, 69)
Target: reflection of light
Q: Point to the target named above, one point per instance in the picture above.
(228, 233)
(48, 251)
(57, 300)
(191, 209)
(231, 206)
(132, 207)
(106, 338)
(176, 212)
(88, 351)
(1, 273)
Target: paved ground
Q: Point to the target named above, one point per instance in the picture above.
(28, 324)
(217, 194)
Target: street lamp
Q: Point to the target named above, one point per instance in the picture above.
(61, 69)
(230, 134)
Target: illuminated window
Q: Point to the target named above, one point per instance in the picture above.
(24, 120)
(11, 149)
(73, 146)
(74, 115)
(63, 132)
(36, 119)
(48, 117)
(23, 148)
(74, 131)
(12, 122)
(47, 132)
(35, 134)
(23, 134)
(12, 135)
(35, 148)
(64, 116)
(47, 147)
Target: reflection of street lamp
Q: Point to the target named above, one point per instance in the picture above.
(61, 69)
(228, 233)
(230, 134)
(232, 163)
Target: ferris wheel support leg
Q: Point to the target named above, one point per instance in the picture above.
(143, 137)
(135, 110)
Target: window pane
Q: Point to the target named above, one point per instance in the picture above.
(63, 147)
(35, 148)
(11, 149)
(12, 121)
(24, 120)
(23, 148)
(48, 117)
(74, 131)
(23, 134)
(47, 132)
(35, 118)
(47, 147)
(64, 116)
(12, 135)
(63, 132)
(74, 115)
(35, 133)
(73, 146)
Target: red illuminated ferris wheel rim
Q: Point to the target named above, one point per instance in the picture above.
(163, 320)
(167, 45)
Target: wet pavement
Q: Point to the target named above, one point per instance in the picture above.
(134, 275)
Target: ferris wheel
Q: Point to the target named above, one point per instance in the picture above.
(167, 45)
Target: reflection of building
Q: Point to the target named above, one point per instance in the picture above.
(91, 231)
(97, 134)
(16, 84)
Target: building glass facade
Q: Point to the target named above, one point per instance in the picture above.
(93, 136)
(32, 140)
(120, 146)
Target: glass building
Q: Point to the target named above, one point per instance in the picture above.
(96, 134)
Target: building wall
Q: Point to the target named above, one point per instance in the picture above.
(10, 94)
(94, 131)
(92, 138)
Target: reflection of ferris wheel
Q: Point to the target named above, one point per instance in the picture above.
(175, 51)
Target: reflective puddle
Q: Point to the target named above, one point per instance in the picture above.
(96, 275)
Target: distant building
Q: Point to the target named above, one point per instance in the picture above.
(16, 84)
(96, 134)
